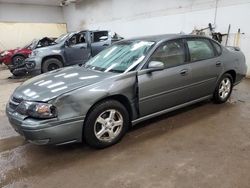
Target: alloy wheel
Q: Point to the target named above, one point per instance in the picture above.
(225, 88)
(108, 125)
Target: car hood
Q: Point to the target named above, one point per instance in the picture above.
(12, 51)
(50, 85)
(19, 49)
(51, 49)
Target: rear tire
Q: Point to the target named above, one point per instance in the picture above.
(106, 124)
(223, 89)
(51, 64)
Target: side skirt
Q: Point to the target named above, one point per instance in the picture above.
(136, 121)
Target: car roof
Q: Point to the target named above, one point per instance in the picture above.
(163, 37)
(89, 31)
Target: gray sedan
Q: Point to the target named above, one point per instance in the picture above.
(129, 82)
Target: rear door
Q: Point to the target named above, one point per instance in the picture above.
(100, 41)
(206, 66)
(167, 88)
(76, 50)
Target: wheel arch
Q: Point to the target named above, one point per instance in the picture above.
(117, 97)
(15, 55)
(232, 73)
(59, 57)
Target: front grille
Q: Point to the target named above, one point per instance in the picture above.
(12, 105)
(18, 100)
(14, 102)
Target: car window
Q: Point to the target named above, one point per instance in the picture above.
(217, 47)
(171, 53)
(200, 49)
(78, 38)
(100, 36)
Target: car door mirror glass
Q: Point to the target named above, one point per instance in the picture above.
(155, 66)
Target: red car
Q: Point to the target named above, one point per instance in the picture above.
(15, 58)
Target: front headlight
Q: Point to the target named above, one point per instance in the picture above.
(37, 109)
(5, 53)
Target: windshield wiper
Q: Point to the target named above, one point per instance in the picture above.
(116, 71)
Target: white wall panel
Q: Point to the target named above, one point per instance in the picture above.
(146, 17)
(30, 13)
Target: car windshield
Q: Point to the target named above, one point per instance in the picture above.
(62, 38)
(121, 57)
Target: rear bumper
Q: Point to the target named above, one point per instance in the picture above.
(46, 132)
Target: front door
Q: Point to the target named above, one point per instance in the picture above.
(167, 88)
(77, 50)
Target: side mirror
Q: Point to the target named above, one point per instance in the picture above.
(155, 66)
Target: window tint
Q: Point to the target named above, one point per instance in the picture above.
(171, 53)
(200, 49)
(217, 48)
(100, 36)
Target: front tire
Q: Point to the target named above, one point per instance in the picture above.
(17, 60)
(106, 124)
(223, 89)
(51, 64)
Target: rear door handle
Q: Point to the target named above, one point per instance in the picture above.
(218, 64)
(184, 72)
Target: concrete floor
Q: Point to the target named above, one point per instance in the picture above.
(205, 145)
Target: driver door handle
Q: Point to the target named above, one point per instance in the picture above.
(184, 72)
(218, 64)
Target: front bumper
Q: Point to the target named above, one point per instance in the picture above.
(5, 60)
(29, 66)
(33, 64)
(49, 131)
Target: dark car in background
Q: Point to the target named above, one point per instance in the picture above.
(14, 59)
(69, 49)
(129, 82)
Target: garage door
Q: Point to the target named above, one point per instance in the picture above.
(14, 35)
